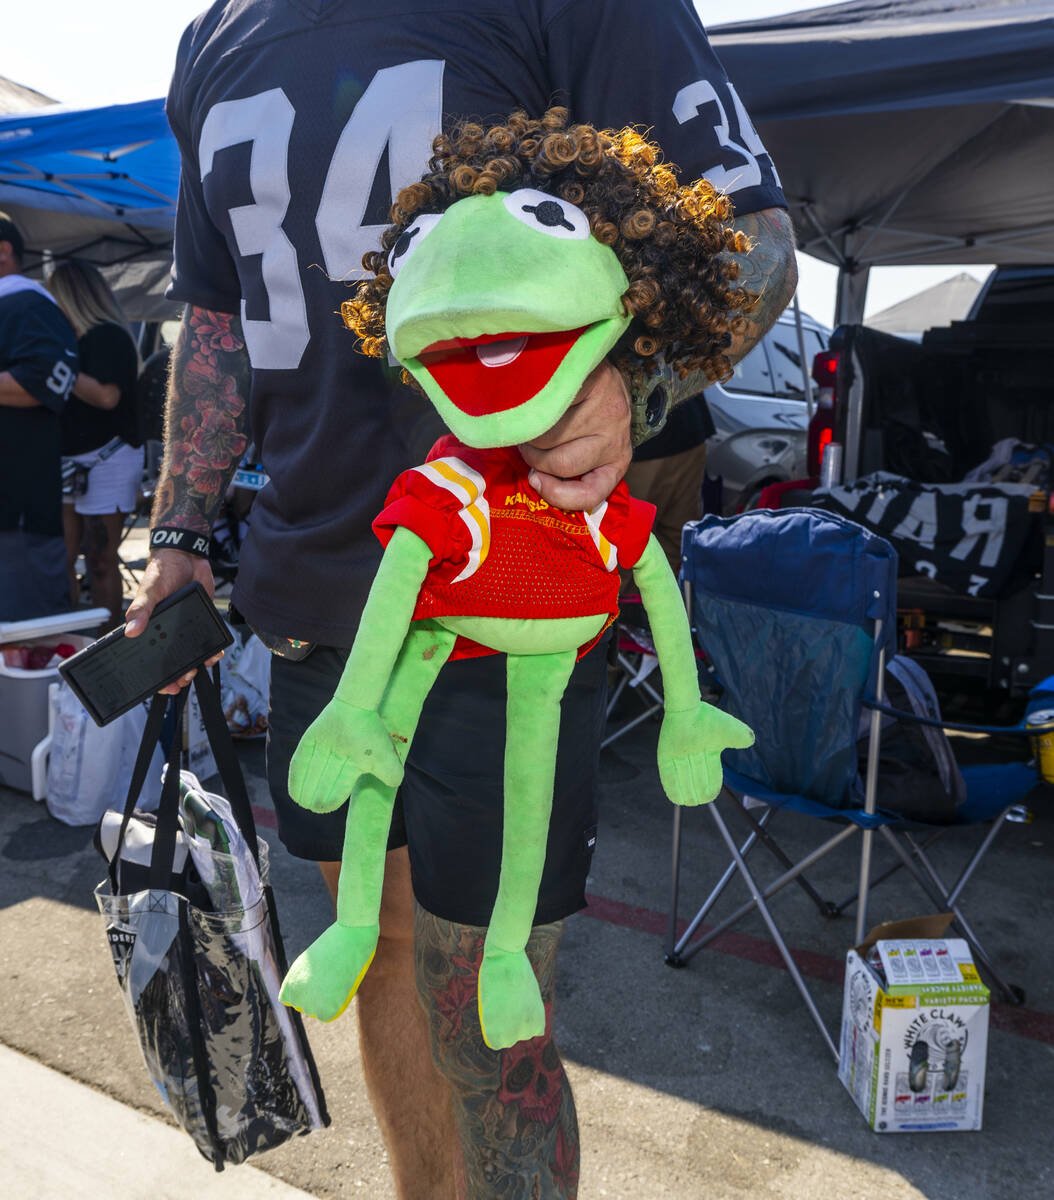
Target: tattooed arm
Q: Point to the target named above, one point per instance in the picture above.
(206, 432)
(770, 271)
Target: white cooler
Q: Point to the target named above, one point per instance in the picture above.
(24, 694)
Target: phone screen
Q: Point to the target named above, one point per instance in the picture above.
(114, 674)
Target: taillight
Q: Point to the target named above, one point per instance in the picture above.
(826, 436)
(821, 427)
(825, 367)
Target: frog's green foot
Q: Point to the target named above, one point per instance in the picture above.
(510, 1004)
(324, 978)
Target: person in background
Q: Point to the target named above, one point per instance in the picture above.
(298, 124)
(98, 426)
(667, 471)
(38, 364)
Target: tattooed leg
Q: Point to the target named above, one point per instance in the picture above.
(514, 1110)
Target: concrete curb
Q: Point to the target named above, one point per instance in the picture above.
(64, 1139)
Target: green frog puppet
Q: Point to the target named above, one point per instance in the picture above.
(529, 253)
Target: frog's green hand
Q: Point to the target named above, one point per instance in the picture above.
(340, 745)
(348, 739)
(690, 745)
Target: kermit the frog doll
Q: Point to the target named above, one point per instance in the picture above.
(528, 254)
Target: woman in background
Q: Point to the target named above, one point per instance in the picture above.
(102, 467)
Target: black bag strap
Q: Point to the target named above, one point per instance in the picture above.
(191, 981)
(230, 772)
(164, 852)
(164, 848)
(151, 737)
(294, 1014)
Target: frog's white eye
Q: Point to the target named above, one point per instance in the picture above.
(410, 239)
(548, 214)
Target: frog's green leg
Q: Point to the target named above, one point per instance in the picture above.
(510, 1004)
(693, 734)
(322, 981)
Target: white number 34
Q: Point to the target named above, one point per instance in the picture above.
(401, 110)
(748, 148)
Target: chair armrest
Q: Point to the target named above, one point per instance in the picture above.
(959, 727)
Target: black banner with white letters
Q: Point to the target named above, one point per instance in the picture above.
(968, 536)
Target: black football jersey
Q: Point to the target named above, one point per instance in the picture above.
(38, 347)
(298, 120)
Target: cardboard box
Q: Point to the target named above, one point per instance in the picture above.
(914, 1029)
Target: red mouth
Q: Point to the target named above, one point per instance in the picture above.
(500, 371)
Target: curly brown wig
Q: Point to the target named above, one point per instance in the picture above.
(672, 239)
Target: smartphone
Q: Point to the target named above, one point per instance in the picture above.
(116, 673)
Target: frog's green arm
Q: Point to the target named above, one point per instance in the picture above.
(669, 628)
(693, 734)
(348, 738)
(385, 620)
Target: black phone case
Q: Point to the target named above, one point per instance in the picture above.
(216, 637)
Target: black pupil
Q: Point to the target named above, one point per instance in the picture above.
(403, 244)
(548, 212)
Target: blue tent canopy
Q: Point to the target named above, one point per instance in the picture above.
(98, 183)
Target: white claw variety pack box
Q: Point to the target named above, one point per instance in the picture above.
(914, 1029)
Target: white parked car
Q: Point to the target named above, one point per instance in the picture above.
(761, 414)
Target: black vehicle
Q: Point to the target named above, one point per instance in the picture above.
(976, 586)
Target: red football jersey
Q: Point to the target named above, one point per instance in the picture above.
(499, 550)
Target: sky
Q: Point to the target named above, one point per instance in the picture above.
(94, 52)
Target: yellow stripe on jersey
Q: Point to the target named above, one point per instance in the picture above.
(608, 552)
(468, 486)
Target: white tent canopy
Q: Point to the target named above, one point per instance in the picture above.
(935, 306)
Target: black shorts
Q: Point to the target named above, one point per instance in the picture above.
(449, 808)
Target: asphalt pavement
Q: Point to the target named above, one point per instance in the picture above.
(709, 1081)
(706, 1082)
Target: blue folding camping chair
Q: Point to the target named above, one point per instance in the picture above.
(796, 610)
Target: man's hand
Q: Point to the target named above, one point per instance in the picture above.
(166, 572)
(577, 464)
